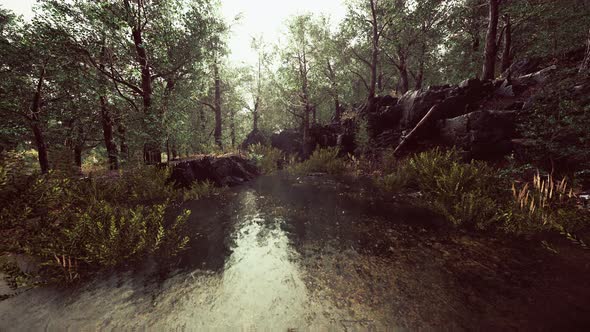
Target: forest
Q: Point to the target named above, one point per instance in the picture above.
(418, 164)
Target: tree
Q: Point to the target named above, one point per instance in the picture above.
(489, 65)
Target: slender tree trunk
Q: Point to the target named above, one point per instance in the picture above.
(255, 115)
(404, 81)
(41, 146)
(489, 66)
(107, 129)
(506, 54)
(420, 76)
(334, 86)
(305, 99)
(217, 104)
(232, 128)
(107, 122)
(374, 58)
(124, 149)
(36, 124)
(151, 149)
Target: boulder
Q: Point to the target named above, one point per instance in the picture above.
(415, 104)
(484, 134)
(221, 171)
(289, 141)
(253, 138)
(522, 67)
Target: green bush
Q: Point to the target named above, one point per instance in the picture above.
(464, 193)
(322, 161)
(76, 226)
(267, 158)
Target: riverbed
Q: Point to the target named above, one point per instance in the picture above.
(314, 253)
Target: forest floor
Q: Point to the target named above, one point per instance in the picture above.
(310, 252)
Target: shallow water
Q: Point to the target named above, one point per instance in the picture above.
(295, 254)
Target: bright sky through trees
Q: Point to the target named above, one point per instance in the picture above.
(258, 17)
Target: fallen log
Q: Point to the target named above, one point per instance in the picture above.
(412, 135)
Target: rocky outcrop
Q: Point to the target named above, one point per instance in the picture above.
(255, 137)
(467, 116)
(289, 141)
(221, 171)
(483, 134)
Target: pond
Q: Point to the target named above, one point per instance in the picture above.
(313, 253)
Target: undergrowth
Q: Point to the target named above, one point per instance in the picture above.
(76, 226)
(267, 158)
(325, 160)
(474, 195)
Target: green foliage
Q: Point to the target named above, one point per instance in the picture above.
(321, 161)
(465, 194)
(267, 158)
(556, 126)
(77, 226)
(475, 195)
(362, 137)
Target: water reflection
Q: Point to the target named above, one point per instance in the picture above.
(261, 284)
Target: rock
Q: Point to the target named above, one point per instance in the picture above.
(288, 141)
(484, 134)
(389, 117)
(505, 89)
(415, 104)
(323, 136)
(472, 84)
(253, 138)
(538, 77)
(221, 171)
(522, 67)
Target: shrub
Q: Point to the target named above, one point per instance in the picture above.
(104, 235)
(267, 158)
(322, 161)
(544, 204)
(76, 226)
(464, 193)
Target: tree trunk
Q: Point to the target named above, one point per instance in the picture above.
(255, 115)
(489, 66)
(420, 77)
(41, 146)
(36, 123)
(334, 86)
(152, 149)
(124, 149)
(374, 58)
(404, 81)
(232, 128)
(305, 99)
(217, 104)
(506, 58)
(107, 129)
(107, 121)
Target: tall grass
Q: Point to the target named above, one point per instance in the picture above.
(476, 195)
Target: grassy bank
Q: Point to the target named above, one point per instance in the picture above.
(470, 195)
